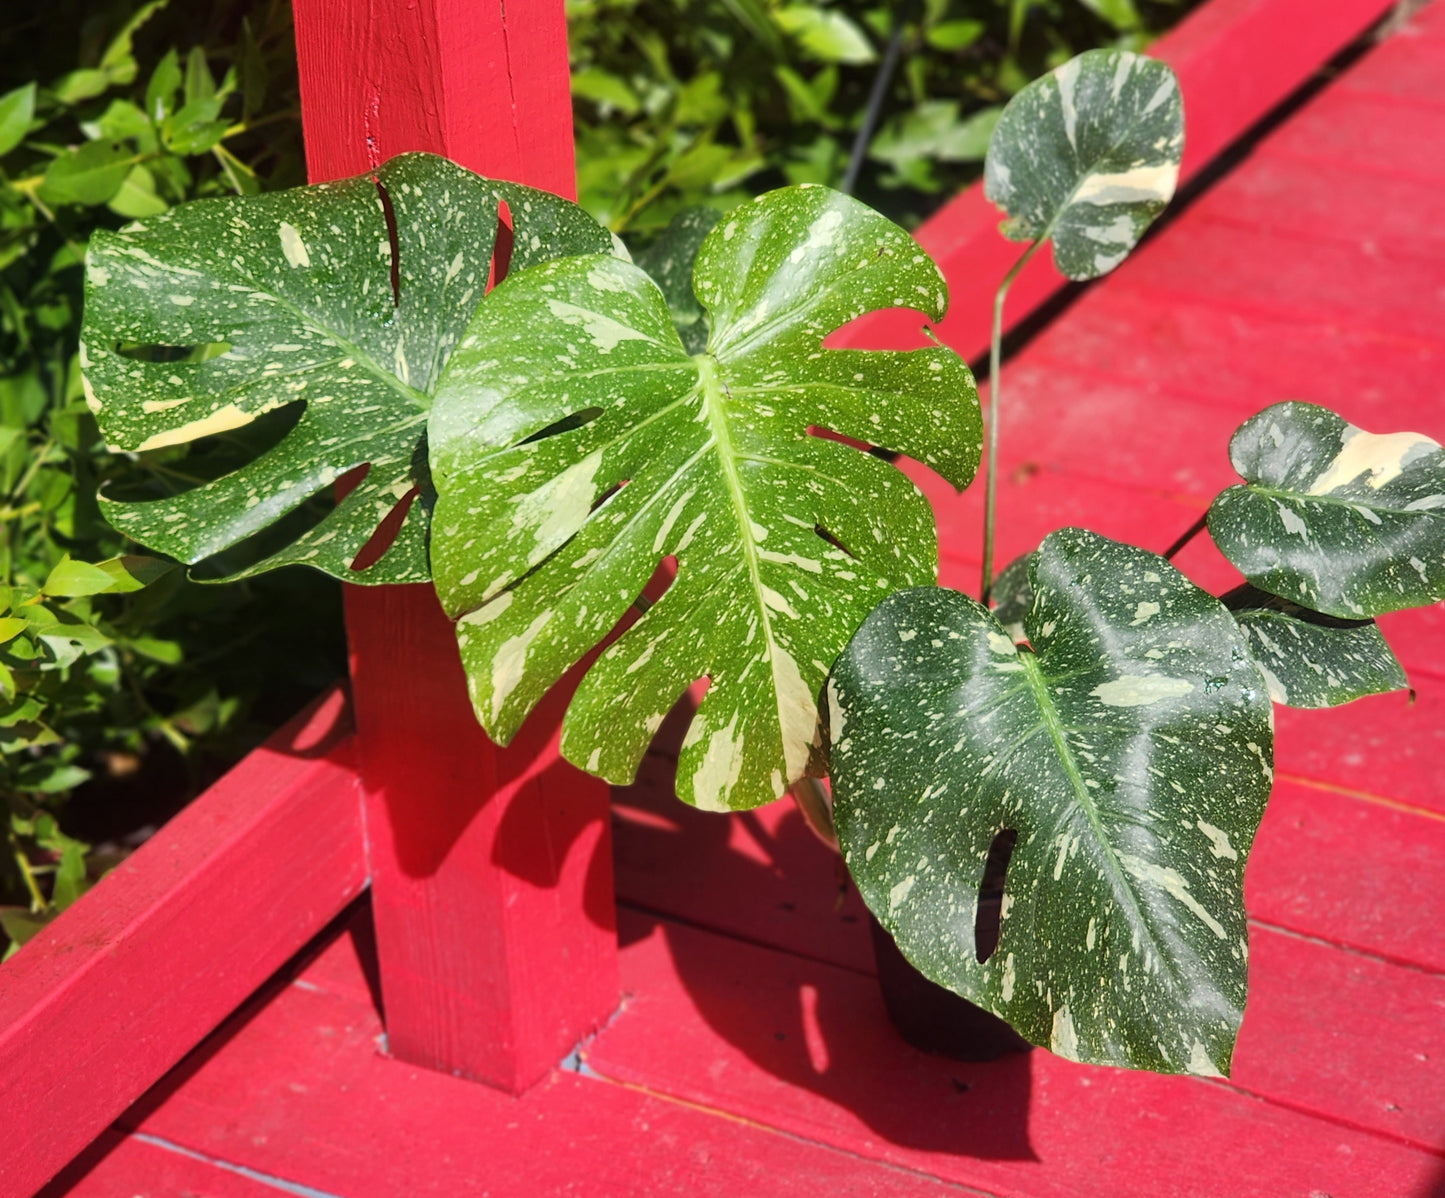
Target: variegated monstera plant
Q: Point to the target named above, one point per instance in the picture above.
(542, 448)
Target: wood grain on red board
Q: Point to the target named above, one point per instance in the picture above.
(491, 870)
(297, 1090)
(805, 1047)
(111, 995)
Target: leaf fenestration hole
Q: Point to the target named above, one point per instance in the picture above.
(833, 541)
(389, 211)
(575, 421)
(386, 533)
(145, 351)
(987, 922)
(607, 494)
(502, 247)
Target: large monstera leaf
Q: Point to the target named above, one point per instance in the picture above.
(1088, 155)
(1331, 517)
(602, 448)
(201, 320)
(1131, 753)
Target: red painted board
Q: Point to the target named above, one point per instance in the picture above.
(1034, 500)
(298, 1092)
(1064, 416)
(1207, 346)
(1345, 1036)
(491, 870)
(1323, 201)
(1371, 134)
(759, 875)
(1356, 873)
(1266, 272)
(1236, 60)
(806, 1048)
(113, 993)
(1385, 746)
(118, 1164)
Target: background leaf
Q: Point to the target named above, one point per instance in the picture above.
(1130, 752)
(1342, 521)
(783, 541)
(17, 110)
(1088, 156)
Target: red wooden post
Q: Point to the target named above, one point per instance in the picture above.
(491, 870)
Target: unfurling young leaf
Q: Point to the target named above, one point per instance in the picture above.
(1088, 156)
(1331, 517)
(1130, 752)
(298, 298)
(1313, 660)
(576, 445)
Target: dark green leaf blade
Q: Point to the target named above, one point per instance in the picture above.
(1132, 755)
(784, 541)
(670, 259)
(1312, 660)
(1088, 155)
(296, 289)
(1342, 521)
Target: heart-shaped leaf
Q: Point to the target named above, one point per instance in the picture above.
(1088, 155)
(601, 448)
(1131, 753)
(1313, 660)
(202, 320)
(1342, 521)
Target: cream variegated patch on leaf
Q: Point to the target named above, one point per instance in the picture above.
(1333, 518)
(1130, 751)
(576, 444)
(1088, 155)
(202, 320)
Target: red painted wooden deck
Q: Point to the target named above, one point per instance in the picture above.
(751, 1055)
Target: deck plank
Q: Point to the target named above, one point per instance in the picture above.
(296, 1088)
(805, 1047)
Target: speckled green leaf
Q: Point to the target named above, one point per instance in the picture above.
(1012, 595)
(1131, 752)
(1342, 521)
(1088, 155)
(1313, 660)
(784, 541)
(669, 260)
(296, 289)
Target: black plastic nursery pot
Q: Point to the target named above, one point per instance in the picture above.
(934, 1019)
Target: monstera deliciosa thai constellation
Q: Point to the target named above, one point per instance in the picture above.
(540, 449)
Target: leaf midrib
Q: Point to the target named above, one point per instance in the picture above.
(713, 390)
(1338, 501)
(1038, 684)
